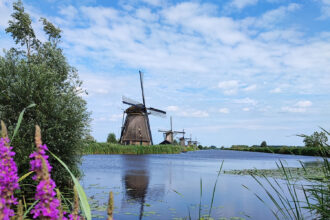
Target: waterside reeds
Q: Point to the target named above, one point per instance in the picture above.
(110, 148)
(306, 151)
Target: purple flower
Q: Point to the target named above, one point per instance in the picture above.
(48, 204)
(74, 217)
(8, 179)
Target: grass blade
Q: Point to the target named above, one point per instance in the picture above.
(29, 209)
(200, 199)
(19, 121)
(25, 175)
(215, 185)
(82, 195)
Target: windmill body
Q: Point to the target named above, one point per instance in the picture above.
(169, 135)
(136, 127)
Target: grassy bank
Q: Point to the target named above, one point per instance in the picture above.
(109, 148)
(307, 151)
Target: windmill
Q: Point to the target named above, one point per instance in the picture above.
(190, 142)
(136, 126)
(169, 134)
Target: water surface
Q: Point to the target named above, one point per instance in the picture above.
(168, 186)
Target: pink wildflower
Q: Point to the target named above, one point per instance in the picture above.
(48, 204)
(8, 177)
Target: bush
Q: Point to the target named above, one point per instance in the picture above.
(40, 74)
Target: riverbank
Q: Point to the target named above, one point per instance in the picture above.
(305, 151)
(110, 148)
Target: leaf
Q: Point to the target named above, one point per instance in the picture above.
(82, 195)
(19, 121)
(29, 209)
(24, 176)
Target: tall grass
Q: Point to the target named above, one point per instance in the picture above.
(315, 202)
(110, 148)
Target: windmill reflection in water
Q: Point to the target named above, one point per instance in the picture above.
(136, 182)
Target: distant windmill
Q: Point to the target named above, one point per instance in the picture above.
(136, 127)
(190, 142)
(169, 134)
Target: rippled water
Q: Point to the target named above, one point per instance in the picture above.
(168, 186)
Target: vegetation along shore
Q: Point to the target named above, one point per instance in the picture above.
(113, 148)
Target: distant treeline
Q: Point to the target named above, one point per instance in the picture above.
(308, 151)
(112, 148)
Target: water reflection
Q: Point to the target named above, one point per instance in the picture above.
(136, 180)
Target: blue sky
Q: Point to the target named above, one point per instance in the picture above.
(229, 72)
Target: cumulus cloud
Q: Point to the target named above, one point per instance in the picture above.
(250, 88)
(229, 87)
(172, 108)
(240, 4)
(276, 90)
(299, 107)
(304, 104)
(247, 101)
(116, 117)
(187, 112)
(224, 110)
(325, 9)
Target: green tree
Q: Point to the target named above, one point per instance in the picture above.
(317, 139)
(40, 74)
(263, 144)
(112, 138)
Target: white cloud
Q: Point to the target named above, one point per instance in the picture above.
(240, 4)
(224, 110)
(276, 90)
(153, 2)
(116, 117)
(270, 18)
(250, 88)
(325, 9)
(293, 109)
(229, 87)
(246, 109)
(304, 104)
(172, 108)
(193, 113)
(5, 11)
(247, 101)
(299, 107)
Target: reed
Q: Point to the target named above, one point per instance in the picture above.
(306, 151)
(110, 148)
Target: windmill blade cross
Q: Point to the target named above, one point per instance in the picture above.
(130, 101)
(157, 112)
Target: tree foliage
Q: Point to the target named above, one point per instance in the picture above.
(317, 139)
(40, 74)
(112, 138)
(263, 144)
